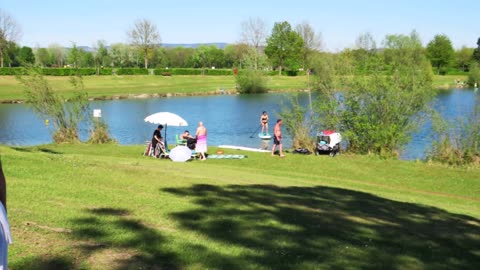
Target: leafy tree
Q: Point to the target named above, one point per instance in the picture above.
(476, 52)
(254, 32)
(121, 55)
(207, 56)
(145, 37)
(365, 54)
(378, 111)
(9, 32)
(73, 56)
(86, 59)
(463, 57)
(11, 55)
(101, 55)
(179, 57)
(284, 46)
(42, 57)
(312, 43)
(243, 55)
(26, 55)
(251, 59)
(57, 53)
(440, 52)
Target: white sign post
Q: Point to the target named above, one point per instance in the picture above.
(97, 113)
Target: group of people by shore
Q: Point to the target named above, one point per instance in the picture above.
(199, 142)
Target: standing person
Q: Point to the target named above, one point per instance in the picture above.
(201, 146)
(5, 237)
(157, 138)
(277, 138)
(264, 122)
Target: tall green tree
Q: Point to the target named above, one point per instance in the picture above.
(11, 55)
(476, 52)
(101, 55)
(284, 47)
(42, 57)
(26, 56)
(57, 53)
(463, 57)
(179, 57)
(440, 52)
(145, 37)
(73, 56)
(9, 32)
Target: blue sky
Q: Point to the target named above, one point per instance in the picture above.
(340, 22)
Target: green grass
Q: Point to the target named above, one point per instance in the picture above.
(109, 86)
(108, 207)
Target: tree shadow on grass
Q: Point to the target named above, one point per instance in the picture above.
(271, 227)
(110, 238)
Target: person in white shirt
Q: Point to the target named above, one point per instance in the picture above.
(5, 237)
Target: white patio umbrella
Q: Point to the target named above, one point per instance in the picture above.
(166, 119)
(180, 153)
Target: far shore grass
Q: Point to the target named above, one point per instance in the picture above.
(107, 87)
(87, 206)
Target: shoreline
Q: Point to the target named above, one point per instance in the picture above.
(193, 94)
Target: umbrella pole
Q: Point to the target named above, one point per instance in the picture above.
(166, 144)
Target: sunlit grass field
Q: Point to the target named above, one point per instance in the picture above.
(108, 207)
(125, 86)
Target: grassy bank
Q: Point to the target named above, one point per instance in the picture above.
(108, 207)
(109, 86)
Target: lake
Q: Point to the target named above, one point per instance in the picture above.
(230, 119)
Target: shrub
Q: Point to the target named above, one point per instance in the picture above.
(474, 75)
(131, 71)
(457, 143)
(250, 82)
(8, 71)
(99, 134)
(64, 115)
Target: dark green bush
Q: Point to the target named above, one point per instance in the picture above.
(251, 81)
(131, 71)
(106, 71)
(7, 71)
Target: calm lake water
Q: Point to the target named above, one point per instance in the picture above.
(230, 119)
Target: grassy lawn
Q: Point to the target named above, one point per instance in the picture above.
(108, 207)
(108, 86)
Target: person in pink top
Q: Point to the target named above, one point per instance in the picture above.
(201, 146)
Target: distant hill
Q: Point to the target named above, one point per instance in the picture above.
(219, 45)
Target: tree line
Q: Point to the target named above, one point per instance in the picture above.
(282, 48)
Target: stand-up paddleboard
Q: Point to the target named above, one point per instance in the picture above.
(264, 136)
(243, 148)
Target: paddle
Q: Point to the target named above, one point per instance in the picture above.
(251, 136)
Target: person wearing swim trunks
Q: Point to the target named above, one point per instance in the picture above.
(201, 146)
(264, 122)
(277, 138)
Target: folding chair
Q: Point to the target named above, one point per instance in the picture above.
(160, 151)
(180, 141)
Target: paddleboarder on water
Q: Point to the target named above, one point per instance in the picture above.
(264, 122)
